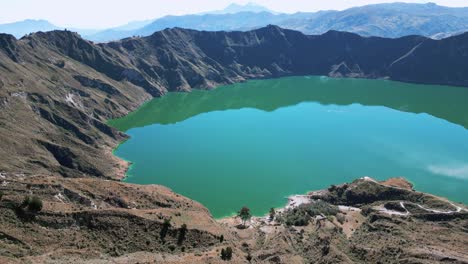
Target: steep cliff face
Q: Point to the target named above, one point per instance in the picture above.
(57, 89)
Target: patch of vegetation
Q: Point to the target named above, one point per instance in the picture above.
(35, 205)
(182, 234)
(301, 215)
(1, 195)
(171, 247)
(272, 214)
(244, 214)
(165, 229)
(32, 204)
(395, 206)
(226, 254)
(340, 218)
(337, 192)
(248, 257)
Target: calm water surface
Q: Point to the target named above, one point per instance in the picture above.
(257, 142)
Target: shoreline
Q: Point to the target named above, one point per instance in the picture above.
(296, 200)
(293, 201)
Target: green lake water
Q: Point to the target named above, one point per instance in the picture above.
(256, 143)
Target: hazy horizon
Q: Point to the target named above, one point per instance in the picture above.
(106, 13)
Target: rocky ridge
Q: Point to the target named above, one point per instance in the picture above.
(69, 87)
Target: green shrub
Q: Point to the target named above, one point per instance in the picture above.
(165, 229)
(223, 254)
(340, 218)
(272, 214)
(171, 247)
(182, 234)
(25, 202)
(296, 217)
(248, 257)
(35, 204)
(226, 254)
(301, 215)
(321, 207)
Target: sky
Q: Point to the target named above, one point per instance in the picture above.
(109, 13)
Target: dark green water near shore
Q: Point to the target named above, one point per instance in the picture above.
(257, 142)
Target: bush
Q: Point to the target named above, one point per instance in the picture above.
(182, 234)
(226, 254)
(165, 229)
(297, 217)
(25, 202)
(301, 215)
(272, 214)
(340, 218)
(396, 206)
(321, 207)
(1, 195)
(35, 204)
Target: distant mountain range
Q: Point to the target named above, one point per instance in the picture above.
(236, 8)
(21, 28)
(384, 20)
(24, 27)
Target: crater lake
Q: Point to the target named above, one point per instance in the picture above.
(255, 143)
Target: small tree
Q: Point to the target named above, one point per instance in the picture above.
(1, 195)
(272, 213)
(244, 214)
(182, 234)
(223, 254)
(221, 239)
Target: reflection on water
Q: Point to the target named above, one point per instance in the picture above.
(444, 102)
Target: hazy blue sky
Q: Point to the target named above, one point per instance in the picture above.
(106, 13)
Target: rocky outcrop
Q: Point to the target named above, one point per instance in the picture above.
(93, 220)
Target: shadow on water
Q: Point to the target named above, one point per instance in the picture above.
(444, 102)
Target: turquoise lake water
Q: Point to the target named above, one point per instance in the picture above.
(257, 142)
